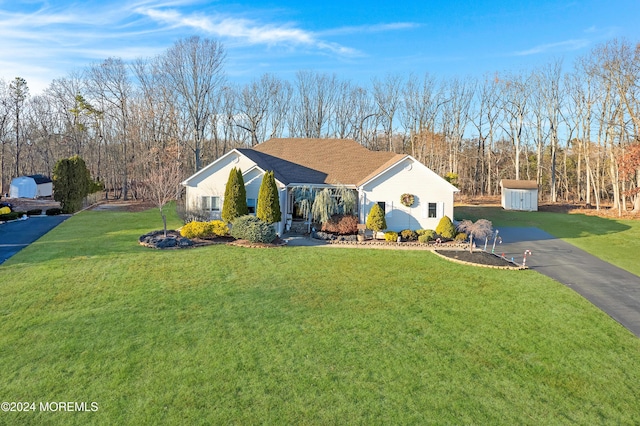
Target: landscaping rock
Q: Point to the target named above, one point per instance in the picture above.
(156, 239)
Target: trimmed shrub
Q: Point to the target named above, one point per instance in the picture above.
(251, 228)
(428, 234)
(194, 230)
(11, 216)
(235, 197)
(218, 228)
(34, 212)
(269, 200)
(461, 236)
(53, 212)
(446, 229)
(375, 219)
(215, 228)
(409, 235)
(391, 236)
(424, 239)
(341, 224)
(5, 210)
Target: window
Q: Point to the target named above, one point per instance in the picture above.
(433, 210)
(210, 203)
(383, 206)
(205, 203)
(251, 205)
(215, 204)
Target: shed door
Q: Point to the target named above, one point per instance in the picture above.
(520, 199)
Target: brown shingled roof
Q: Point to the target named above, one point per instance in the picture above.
(519, 184)
(328, 161)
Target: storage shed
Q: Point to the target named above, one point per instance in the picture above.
(31, 187)
(519, 194)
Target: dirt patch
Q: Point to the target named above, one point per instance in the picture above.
(481, 258)
(123, 206)
(26, 204)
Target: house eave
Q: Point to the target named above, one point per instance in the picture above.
(210, 165)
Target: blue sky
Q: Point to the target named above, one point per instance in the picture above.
(356, 40)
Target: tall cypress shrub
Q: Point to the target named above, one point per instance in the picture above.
(268, 200)
(376, 220)
(235, 197)
(71, 183)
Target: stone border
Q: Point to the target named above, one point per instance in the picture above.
(515, 267)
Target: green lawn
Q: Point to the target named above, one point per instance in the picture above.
(613, 240)
(221, 335)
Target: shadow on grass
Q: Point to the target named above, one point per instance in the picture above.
(561, 225)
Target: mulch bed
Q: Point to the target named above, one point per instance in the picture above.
(481, 258)
(156, 239)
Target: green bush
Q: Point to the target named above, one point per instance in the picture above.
(34, 212)
(446, 229)
(409, 235)
(424, 238)
(253, 229)
(53, 212)
(428, 234)
(11, 216)
(391, 236)
(375, 219)
(461, 236)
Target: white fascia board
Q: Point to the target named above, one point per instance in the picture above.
(210, 165)
(453, 188)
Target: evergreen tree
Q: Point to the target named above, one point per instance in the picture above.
(235, 197)
(375, 219)
(71, 183)
(268, 200)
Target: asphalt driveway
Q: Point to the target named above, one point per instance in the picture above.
(14, 236)
(614, 290)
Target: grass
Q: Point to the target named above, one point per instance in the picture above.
(221, 334)
(613, 240)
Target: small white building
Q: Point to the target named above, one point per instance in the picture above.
(378, 178)
(30, 187)
(519, 194)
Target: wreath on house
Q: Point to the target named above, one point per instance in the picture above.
(407, 200)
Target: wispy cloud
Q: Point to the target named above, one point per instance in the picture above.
(367, 29)
(562, 46)
(245, 30)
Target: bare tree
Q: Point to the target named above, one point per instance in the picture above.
(516, 90)
(193, 71)
(162, 182)
(386, 94)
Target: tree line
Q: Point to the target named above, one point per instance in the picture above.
(571, 127)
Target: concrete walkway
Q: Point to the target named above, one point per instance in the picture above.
(612, 289)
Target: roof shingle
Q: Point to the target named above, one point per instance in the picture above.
(320, 161)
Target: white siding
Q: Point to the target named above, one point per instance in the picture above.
(409, 176)
(520, 199)
(213, 180)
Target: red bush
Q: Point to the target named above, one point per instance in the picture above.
(341, 224)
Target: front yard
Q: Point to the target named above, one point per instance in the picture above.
(223, 334)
